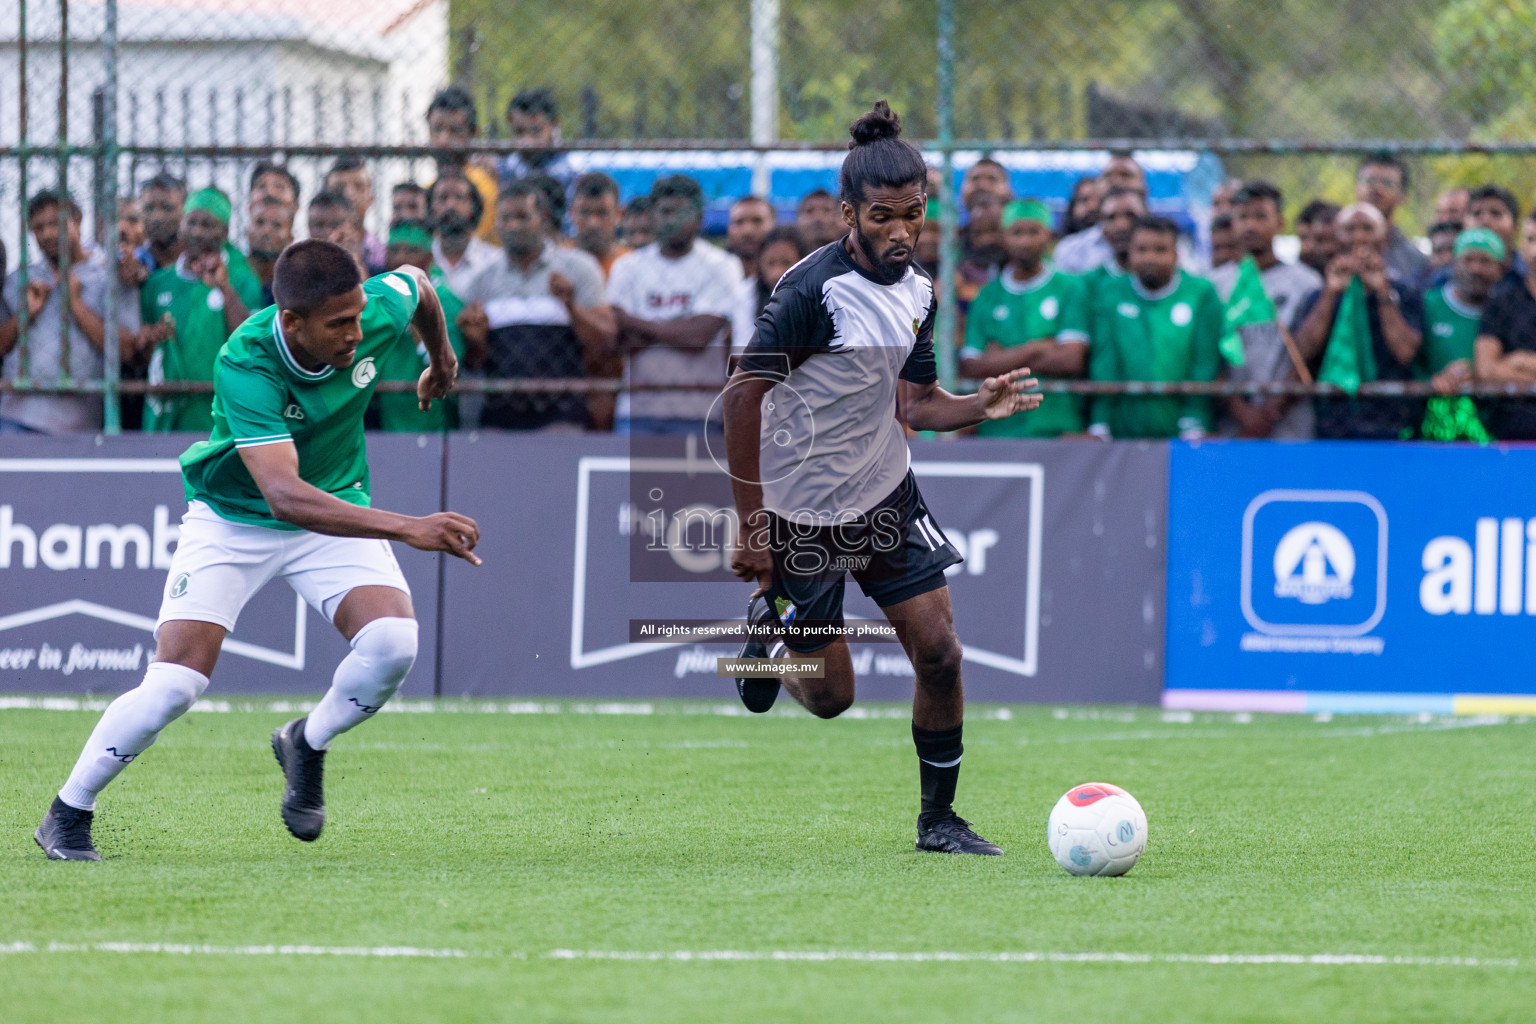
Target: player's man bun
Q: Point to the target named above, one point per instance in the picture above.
(880, 123)
(309, 272)
(878, 157)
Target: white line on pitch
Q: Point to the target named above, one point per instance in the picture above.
(200, 949)
(771, 956)
(860, 956)
(486, 707)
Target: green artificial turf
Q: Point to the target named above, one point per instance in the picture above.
(508, 837)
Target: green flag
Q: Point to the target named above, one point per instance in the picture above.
(1454, 419)
(1249, 304)
(1349, 359)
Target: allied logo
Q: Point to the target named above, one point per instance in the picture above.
(398, 283)
(364, 373)
(1315, 563)
(1049, 307)
(215, 300)
(179, 585)
(999, 312)
(1181, 314)
(916, 325)
(293, 412)
(1128, 309)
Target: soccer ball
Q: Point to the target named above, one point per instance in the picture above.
(1097, 829)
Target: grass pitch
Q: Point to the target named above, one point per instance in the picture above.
(524, 849)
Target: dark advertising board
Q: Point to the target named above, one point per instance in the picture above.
(87, 530)
(1060, 596)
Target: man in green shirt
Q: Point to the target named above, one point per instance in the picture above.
(1029, 316)
(1155, 324)
(204, 296)
(281, 489)
(1452, 315)
(410, 244)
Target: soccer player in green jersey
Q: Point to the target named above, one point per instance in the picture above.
(410, 244)
(1156, 323)
(1029, 316)
(280, 489)
(204, 296)
(1452, 315)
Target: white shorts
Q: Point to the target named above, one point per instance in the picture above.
(219, 565)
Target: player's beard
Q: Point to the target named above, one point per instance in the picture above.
(886, 271)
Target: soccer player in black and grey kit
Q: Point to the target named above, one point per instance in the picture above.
(820, 469)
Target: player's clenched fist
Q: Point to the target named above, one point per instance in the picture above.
(435, 383)
(446, 531)
(751, 559)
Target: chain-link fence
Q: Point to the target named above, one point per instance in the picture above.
(747, 96)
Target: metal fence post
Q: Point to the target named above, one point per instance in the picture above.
(949, 222)
(61, 282)
(111, 350)
(765, 89)
(24, 261)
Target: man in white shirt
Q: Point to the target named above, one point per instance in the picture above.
(454, 209)
(1088, 249)
(673, 300)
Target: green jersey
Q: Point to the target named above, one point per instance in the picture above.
(197, 313)
(1171, 334)
(1450, 328)
(400, 410)
(1450, 331)
(261, 395)
(1010, 313)
(1096, 282)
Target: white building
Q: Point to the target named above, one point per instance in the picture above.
(223, 72)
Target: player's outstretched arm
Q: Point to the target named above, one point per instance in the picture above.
(930, 407)
(442, 370)
(275, 468)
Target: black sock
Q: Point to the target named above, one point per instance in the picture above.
(938, 768)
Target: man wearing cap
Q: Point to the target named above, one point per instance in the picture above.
(1452, 315)
(410, 244)
(1031, 316)
(204, 296)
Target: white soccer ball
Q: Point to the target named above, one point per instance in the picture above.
(1097, 829)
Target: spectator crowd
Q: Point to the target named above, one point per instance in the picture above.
(546, 275)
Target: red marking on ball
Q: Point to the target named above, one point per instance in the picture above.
(1092, 792)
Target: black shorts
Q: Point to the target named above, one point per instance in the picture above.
(895, 551)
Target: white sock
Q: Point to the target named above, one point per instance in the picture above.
(382, 653)
(129, 726)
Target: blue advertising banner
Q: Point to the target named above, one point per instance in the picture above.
(1351, 577)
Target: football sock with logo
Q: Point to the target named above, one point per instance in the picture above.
(938, 766)
(129, 726)
(382, 653)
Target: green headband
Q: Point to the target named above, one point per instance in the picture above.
(412, 236)
(1482, 240)
(1026, 209)
(210, 201)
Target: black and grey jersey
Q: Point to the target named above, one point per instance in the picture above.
(837, 341)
